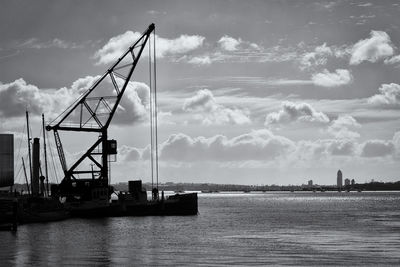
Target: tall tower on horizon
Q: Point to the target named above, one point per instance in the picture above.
(339, 179)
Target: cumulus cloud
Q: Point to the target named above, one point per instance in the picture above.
(389, 95)
(117, 45)
(292, 112)
(134, 105)
(18, 96)
(344, 127)
(263, 147)
(373, 49)
(332, 79)
(377, 148)
(229, 43)
(317, 57)
(310, 150)
(129, 154)
(259, 145)
(210, 112)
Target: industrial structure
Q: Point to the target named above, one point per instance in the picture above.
(93, 113)
(6, 160)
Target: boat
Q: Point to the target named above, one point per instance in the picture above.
(40, 209)
(36, 205)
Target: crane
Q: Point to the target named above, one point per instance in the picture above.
(93, 112)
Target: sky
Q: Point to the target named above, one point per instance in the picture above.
(249, 92)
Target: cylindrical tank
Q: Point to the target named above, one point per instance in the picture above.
(35, 166)
(6, 160)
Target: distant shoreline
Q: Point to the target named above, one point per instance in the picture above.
(215, 188)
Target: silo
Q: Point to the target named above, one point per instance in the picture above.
(6, 160)
(35, 166)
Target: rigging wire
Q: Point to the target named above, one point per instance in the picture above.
(18, 172)
(19, 147)
(52, 158)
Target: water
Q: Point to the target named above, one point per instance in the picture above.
(328, 228)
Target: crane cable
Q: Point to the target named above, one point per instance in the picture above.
(155, 102)
(151, 120)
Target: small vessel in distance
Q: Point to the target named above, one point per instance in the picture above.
(209, 191)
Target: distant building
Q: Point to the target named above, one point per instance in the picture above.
(339, 181)
(346, 182)
(310, 183)
(353, 182)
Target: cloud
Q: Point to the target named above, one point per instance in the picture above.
(134, 106)
(232, 50)
(326, 5)
(389, 96)
(317, 57)
(332, 79)
(284, 82)
(344, 127)
(240, 51)
(210, 112)
(362, 19)
(365, 4)
(373, 49)
(324, 79)
(18, 96)
(204, 99)
(35, 43)
(129, 154)
(296, 112)
(393, 60)
(229, 43)
(263, 148)
(155, 12)
(323, 149)
(377, 148)
(200, 60)
(259, 145)
(117, 45)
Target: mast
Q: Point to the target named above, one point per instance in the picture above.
(29, 146)
(45, 156)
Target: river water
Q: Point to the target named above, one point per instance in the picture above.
(279, 228)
